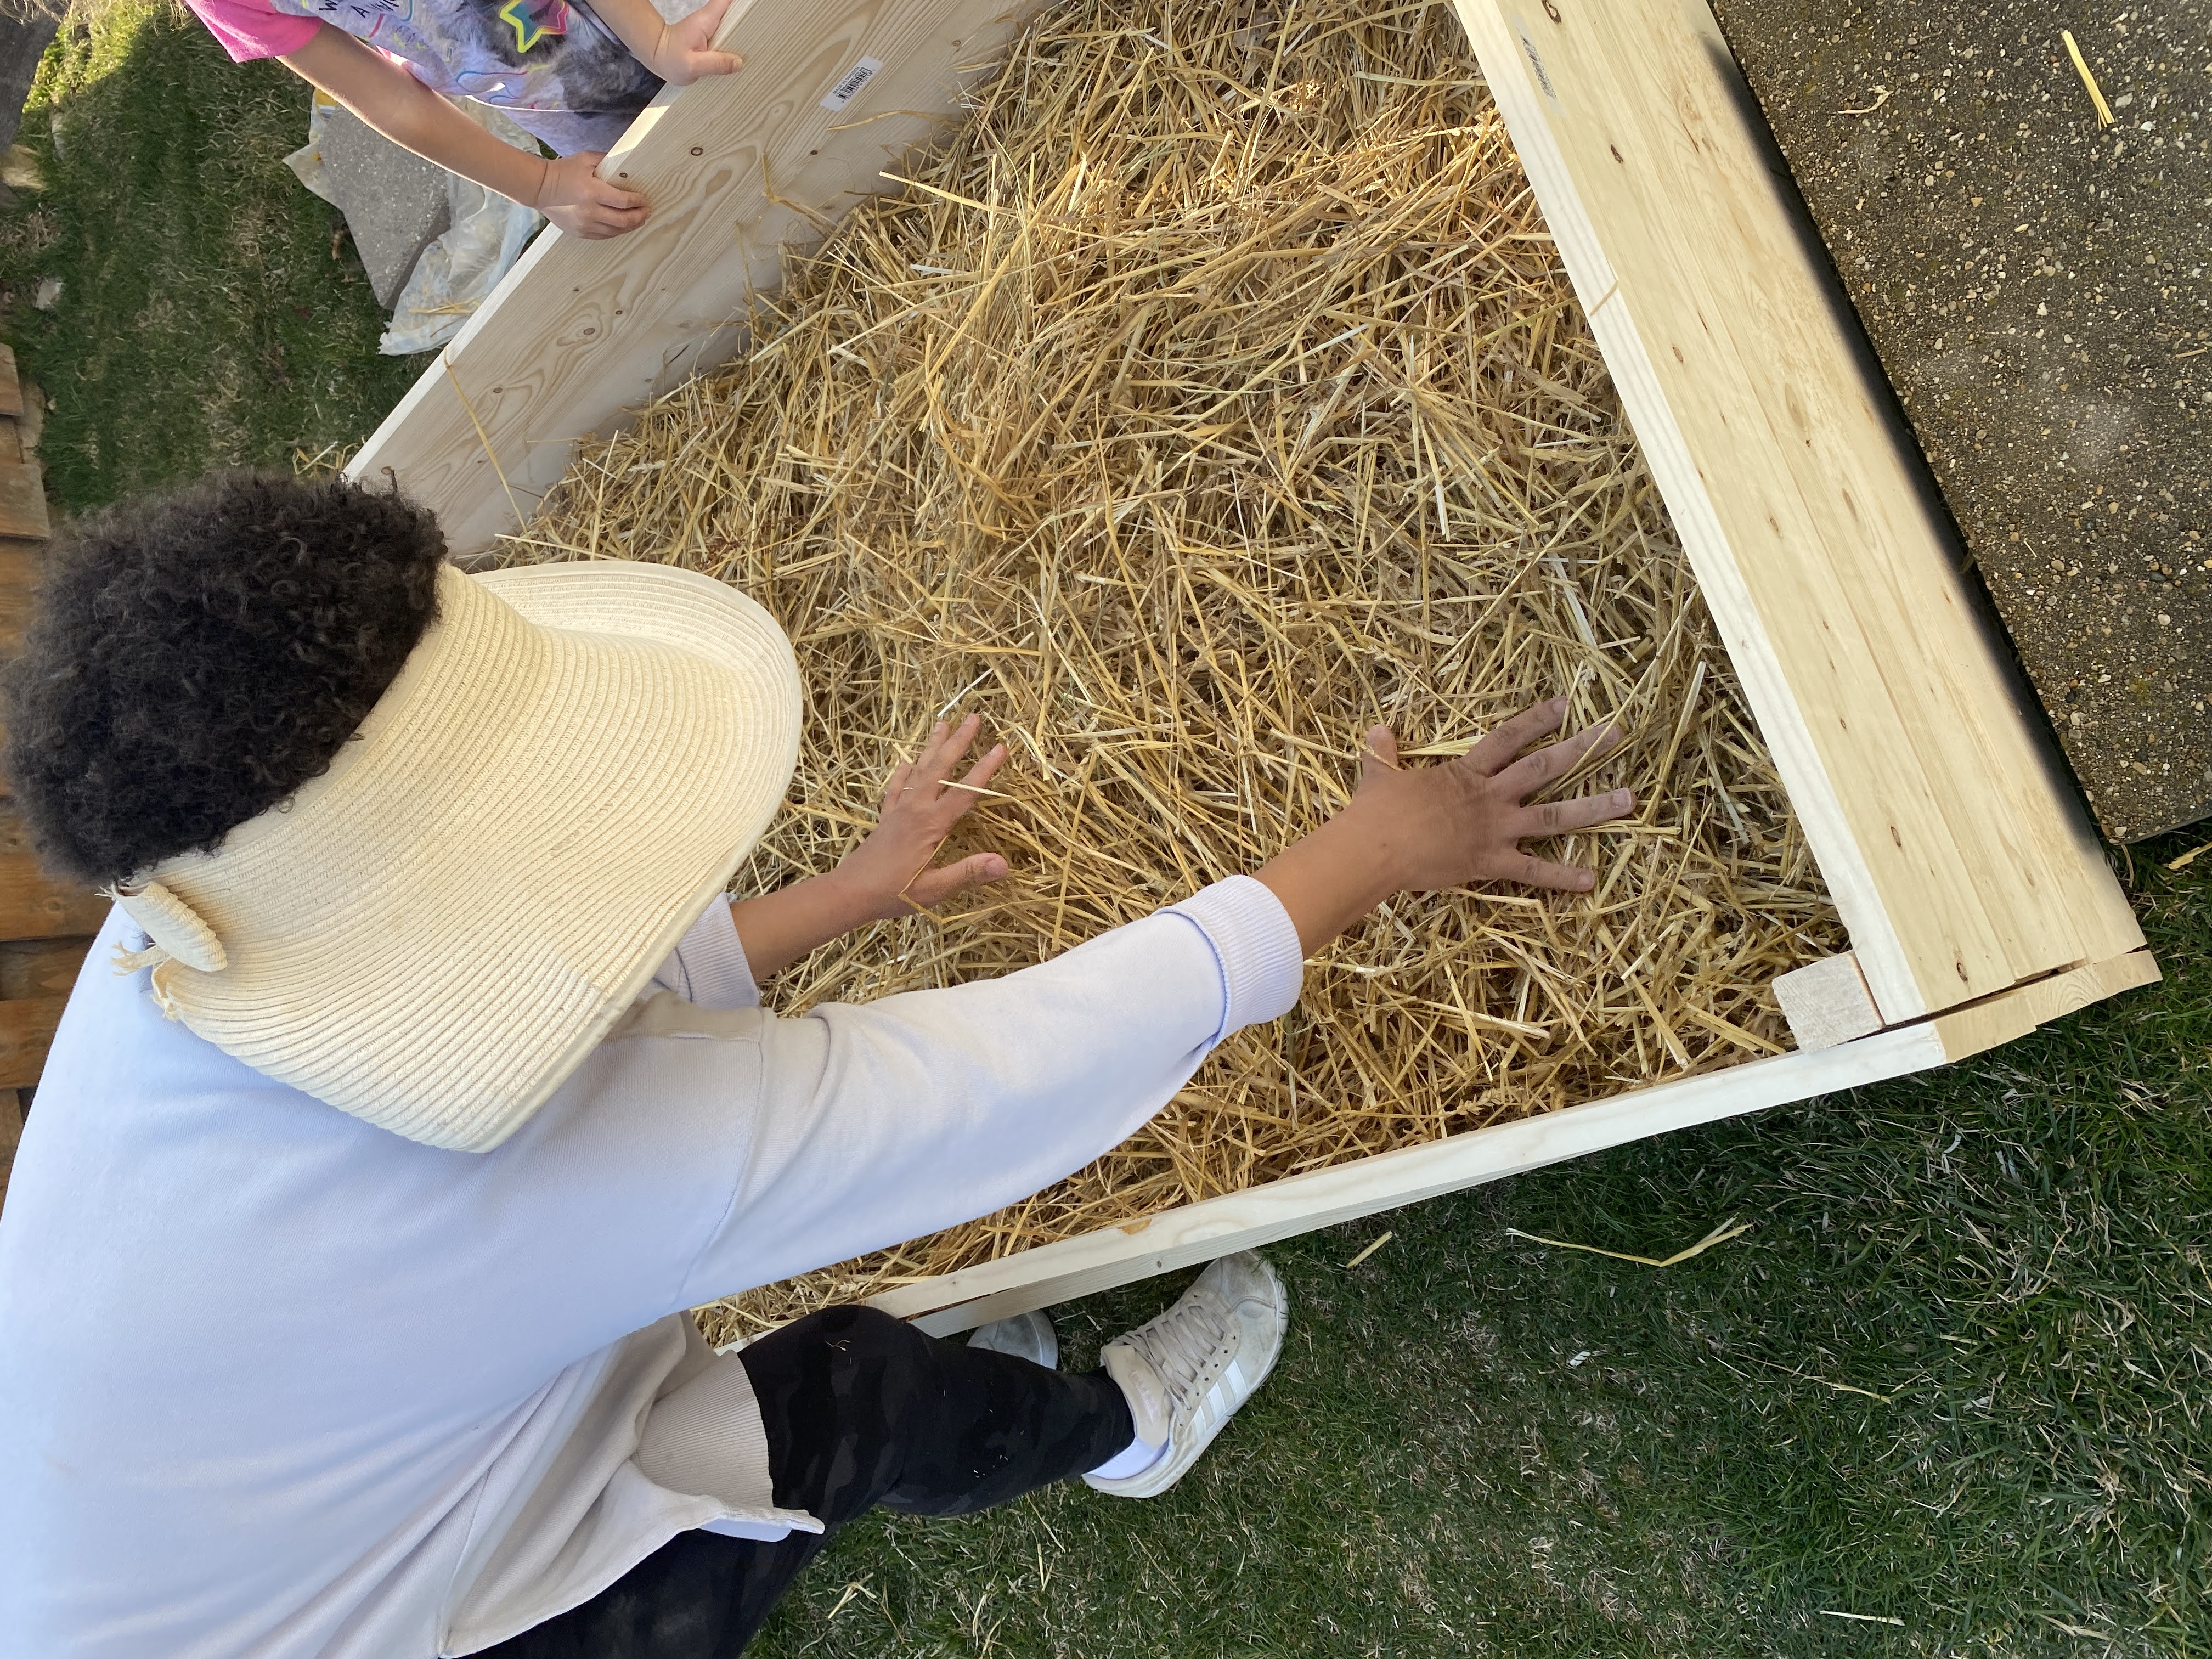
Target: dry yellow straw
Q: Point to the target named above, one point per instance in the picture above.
(1214, 394)
(2082, 66)
(1720, 1235)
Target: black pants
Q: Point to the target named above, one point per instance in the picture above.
(860, 1409)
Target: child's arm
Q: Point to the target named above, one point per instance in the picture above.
(412, 116)
(887, 874)
(567, 191)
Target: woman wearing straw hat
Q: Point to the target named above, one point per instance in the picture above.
(419, 1083)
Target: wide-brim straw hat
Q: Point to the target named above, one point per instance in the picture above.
(433, 934)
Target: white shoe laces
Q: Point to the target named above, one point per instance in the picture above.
(1184, 1345)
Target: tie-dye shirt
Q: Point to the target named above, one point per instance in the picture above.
(563, 75)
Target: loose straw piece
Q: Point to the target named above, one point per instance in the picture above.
(2189, 858)
(1371, 1250)
(1194, 411)
(1719, 1235)
(2082, 67)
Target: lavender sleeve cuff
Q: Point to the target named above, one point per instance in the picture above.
(1256, 945)
(708, 968)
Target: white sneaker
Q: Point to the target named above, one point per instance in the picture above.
(1026, 1336)
(1187, 1372)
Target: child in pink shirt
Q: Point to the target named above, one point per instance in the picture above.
(572, 74)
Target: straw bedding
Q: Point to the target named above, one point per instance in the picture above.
(1214, 394)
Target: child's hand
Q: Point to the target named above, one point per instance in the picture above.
(582, 204)
(921, 806)
(685, 52)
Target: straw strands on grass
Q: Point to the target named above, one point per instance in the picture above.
(1215, 393)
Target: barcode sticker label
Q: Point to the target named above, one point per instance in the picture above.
(1535, 59)
(849, 89)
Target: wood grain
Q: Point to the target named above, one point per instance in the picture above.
(33, 907)
(40, 967)
(22, 566)
(26, 1029)
(737, 168)
(11, 385)
(1985, 1025)
(1827, 1002)
(23, 501)
(1960, 860)
(1247, 1220)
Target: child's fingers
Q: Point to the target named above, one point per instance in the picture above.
(708, 18)
(614, 198)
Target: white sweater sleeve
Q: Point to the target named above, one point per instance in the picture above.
(709, 967)
(885, 1122)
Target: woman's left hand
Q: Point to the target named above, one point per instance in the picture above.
(921, 802)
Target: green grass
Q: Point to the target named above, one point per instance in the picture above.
(1474, 1445)
(212, 311)
(1477, 1445)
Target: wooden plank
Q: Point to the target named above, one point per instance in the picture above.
(26, 1029)
(40, 967)
(11, 1132)
(33, 907)
(11, 386)
(1827, 1002)
(23, 501)
(1983, 1025)
(1242, 1221)
(1959, 858)
(737, 168)
(22, 567)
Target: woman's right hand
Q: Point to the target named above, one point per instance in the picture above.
(1420, 829)
(582, 204)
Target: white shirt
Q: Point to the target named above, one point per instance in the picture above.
(275, 1382)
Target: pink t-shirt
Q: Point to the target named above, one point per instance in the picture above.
(563, 75)
(249, 31)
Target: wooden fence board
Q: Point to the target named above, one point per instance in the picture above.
(40, 967)
(27, 1027)
(33, 907)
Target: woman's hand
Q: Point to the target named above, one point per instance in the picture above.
(1442, 826)
(890, 871)
(888, 874)
(685, 50)
(582, 204)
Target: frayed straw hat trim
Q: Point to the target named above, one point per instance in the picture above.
(431, 936)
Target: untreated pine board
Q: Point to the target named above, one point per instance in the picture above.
(1242, 1221)
(26, 1030)
(1827, 1002)
(1983, 1025)
(832, 95)
(1959, 860)
(33, 907)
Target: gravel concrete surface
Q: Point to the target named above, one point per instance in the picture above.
(2035, 285)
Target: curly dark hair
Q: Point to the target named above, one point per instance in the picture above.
(198, 655)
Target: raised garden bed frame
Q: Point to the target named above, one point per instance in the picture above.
(1978, 898)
